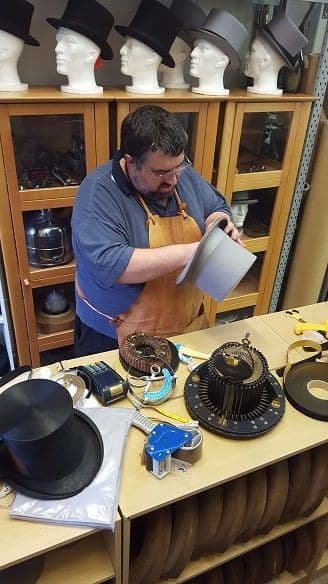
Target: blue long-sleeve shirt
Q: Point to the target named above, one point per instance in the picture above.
(108, 223)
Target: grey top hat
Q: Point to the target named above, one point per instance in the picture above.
(225, 31)
(191, 16)
(284, 36)
(241, 197)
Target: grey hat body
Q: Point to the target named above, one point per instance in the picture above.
(284, 36)
(218, 264)
(191, 16)
(225, 31)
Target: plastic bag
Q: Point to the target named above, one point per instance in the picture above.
(96, 505)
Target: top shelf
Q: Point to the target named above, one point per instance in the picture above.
(53, 94)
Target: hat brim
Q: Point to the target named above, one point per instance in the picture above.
(71, 484)
(219, 42)
(106, 51)
(167, 59)
(273, 43)
(28, 39)
(250, 202)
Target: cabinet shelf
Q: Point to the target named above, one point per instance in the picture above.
(209, 561)
(60, 274)
(245, 294)
(84, 562)
(287, 578)
(61, 339)
(257, 180)
(256, 244)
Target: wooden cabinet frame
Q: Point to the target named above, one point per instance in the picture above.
(228, 181)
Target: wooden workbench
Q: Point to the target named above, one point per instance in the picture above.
(223, 461)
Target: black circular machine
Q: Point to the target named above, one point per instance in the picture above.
(233, 393)
(136, 350)
(48, 239)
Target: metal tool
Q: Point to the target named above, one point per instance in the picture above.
(165, 442)
(294, 313)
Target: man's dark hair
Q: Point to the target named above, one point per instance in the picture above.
(151, 128)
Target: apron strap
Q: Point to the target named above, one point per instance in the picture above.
(181, 205)
(182, 208)
(150, 216)
(115, 320)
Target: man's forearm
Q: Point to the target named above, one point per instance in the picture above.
(148, 264)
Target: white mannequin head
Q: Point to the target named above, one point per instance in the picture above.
(239, 212)
(263, 63)
(76, 56)
(11, 48)
(140, 62)
(173, 78)
(208, 62)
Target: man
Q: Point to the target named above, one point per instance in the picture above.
(136, 221)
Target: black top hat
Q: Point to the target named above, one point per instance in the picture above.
(156, 26)
(48, 450)
(225, 31)
(15, 18)
(283, 35)
(191, 16)
(89, 18)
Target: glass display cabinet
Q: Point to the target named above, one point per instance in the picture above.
(47, 151)
(258, 155)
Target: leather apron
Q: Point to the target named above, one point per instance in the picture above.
(163, 308)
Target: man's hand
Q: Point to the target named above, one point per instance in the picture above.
(230, 228)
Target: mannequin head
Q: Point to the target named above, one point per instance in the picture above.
(239, 212)
(76, 56)
(208, 63)
(174, 77)
(11, 48)
(140, 62)
(263, 63)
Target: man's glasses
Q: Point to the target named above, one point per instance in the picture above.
(159, 174)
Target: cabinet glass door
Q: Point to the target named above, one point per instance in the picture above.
(263, 141)
(49, 150)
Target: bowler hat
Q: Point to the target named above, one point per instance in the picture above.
(156, 26)
(15, 18)
(225, 31)
(218, 264)
(48, 450)
(283, 35)
(191, 16)
(90, 19)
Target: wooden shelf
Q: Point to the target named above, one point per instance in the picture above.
(245, 294)
(84, 562)
(62, 339)
(257, 180)
(41, 276)
(209, 561)
(256, 244)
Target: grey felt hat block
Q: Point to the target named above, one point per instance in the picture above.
(218, 264)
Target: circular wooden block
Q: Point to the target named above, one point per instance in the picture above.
(233, 513)
(302, 549)
(233, 572)
(53, 323)
(214, 577)
(299, 480)
(277, 491)
(256, 500)
(253, 567)
(184, 534)
(319, 480)
(272, 560)
(148, 565)
(210, 511)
